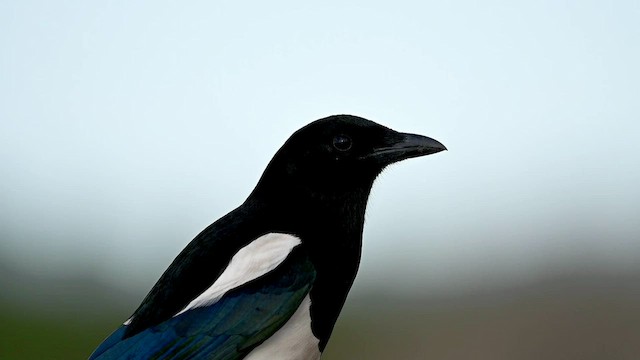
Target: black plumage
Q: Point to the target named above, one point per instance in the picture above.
(315, 188)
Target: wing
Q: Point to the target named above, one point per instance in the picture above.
(227, 329)
(197, 267)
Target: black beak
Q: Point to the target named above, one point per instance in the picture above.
(405, 146)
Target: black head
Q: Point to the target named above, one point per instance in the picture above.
(337, 155)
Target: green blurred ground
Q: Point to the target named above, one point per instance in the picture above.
(581, 316)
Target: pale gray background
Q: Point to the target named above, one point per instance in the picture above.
(127, 127)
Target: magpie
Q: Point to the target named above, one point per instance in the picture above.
(269, 279)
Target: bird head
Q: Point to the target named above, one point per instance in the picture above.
(338, 155)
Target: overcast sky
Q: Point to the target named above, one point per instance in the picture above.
(127, 127)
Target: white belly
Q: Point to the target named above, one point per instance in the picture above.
(294, 341)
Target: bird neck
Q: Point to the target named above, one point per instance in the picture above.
(330, 225)
(334, 237)
(335, 251)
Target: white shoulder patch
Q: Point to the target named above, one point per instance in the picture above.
(252, 261)
(293, 341)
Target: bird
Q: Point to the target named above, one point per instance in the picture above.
(268, 280)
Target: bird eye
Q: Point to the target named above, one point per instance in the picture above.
(342, 142)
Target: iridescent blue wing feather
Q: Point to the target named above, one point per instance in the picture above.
(226, 330)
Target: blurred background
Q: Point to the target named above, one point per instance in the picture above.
(127, 127)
